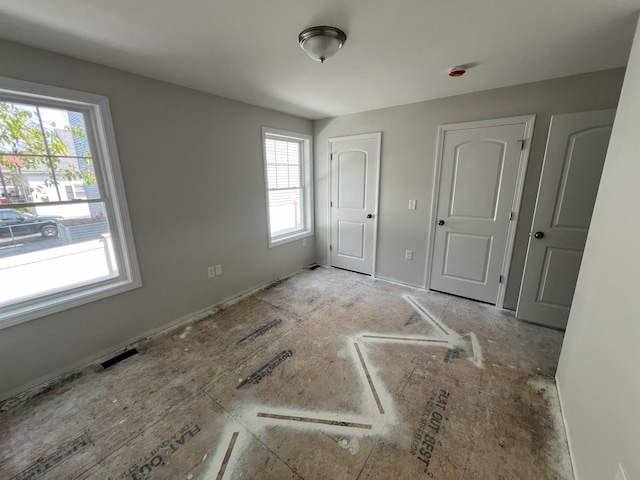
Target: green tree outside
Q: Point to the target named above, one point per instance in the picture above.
(27, 143)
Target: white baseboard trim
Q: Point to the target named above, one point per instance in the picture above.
(387, 280)
(401, 284)
(566, 431)
(44, 383)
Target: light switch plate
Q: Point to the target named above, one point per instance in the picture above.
(412, 204)
(218, 269)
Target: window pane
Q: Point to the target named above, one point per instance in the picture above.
(285, 211)
(283, 176)
(65, 132)
(31, 171)
(283, 163)
(53, 248)
(76, 171)
(20, 133)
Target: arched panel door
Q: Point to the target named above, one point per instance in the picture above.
(354, 183)
(479, 170)
(574, 158)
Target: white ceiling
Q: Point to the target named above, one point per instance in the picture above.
(397, 51)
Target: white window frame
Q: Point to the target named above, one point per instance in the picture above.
(101, 134)
(306, 167)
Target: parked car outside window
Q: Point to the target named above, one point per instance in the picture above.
(21, 223)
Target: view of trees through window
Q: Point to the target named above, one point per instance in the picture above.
(54, 230)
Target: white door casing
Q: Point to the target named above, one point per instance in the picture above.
(355, 165)
(574, 158)
(477, 199)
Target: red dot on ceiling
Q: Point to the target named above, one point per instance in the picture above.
(457, 72)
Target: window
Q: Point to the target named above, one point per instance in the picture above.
(79, 191)
(65, 235)
(75, 191)
(288, 174)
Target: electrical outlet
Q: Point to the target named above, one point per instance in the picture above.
(408, 254)
(218, 269)
(412, 204)
(211, 271)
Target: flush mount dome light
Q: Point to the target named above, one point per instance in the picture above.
(322, 43)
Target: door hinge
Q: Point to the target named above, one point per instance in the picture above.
(500, 279)
(330, 248)
(511, 216)
(331, 157)
(522, 144)
(331, 204)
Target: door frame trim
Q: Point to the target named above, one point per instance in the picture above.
(349, 138)
(529, 122)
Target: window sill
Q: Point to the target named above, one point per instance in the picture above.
(64, 301)
(276, 242)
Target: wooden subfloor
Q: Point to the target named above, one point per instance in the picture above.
(325, 375)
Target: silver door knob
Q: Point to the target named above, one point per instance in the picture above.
(369, 216)
(441, 222)
(538, 235)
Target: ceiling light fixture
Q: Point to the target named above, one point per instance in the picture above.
(322, 43)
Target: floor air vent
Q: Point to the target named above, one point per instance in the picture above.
(118, 358)
(313, 266)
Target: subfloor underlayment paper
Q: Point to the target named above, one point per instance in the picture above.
(326, 374)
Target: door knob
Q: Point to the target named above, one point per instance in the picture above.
(441, 222)
(369, 216)
(538, 235)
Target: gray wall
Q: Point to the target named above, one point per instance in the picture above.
(193, 174)
(599, 372)
(409, 135)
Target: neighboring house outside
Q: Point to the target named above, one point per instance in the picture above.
(76, 120)
(36, 185)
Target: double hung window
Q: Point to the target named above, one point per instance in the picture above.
(288, 176)
(65, 236)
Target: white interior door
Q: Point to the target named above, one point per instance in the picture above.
(478, 197)
(354, 196)
(576, 149)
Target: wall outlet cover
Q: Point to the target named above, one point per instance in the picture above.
(218, 269)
